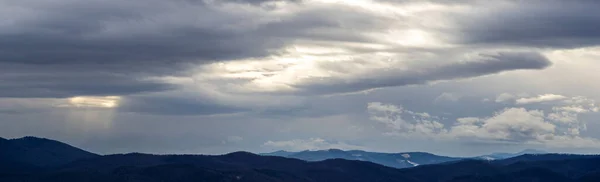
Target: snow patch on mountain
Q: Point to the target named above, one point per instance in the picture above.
(487, 158)
(412, 163)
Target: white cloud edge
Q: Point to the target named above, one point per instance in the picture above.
(559, 128)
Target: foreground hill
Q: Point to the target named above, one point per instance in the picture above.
(248, 167)
(39, 152)
(396, 160)
(243, 166)
(239, 166)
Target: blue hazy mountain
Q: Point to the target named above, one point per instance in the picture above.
(498, 156)
(280, 153)
(397, 160)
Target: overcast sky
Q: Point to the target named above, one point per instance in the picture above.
(457, 78)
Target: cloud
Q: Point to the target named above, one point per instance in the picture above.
(316, 76)
(208, 69)
(560, 128)
(93, 102)
(56, 81)
(447, 97)
(309, 144)
(40, 105)
(504, 97)
(104, 48)
(510, 125)
(399, 121)
(20, 105)
(109, 32)
(68, 49)
(522, 126)
(109, 50)
(568, 112)
(468, 120)
(170, 105)
(540, 98)
(233, 139)
(554, 23)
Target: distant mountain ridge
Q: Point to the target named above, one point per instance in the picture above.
(496, 156)
(396, 160)
(69, 164)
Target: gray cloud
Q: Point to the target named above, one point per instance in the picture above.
(485, 64)
(190, 74)
(67, 81)
(553, 23)
(255, 2)
(177, 106)
(109, 32)
(509, 125)
(66, 48)
(106, 32)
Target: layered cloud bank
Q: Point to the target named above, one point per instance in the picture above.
(321, 47)
(302, 68)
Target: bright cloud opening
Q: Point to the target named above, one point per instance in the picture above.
(94, 101)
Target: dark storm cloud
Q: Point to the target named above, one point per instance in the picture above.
(455, 2)
(67, 48)
(67, 32)
(491, 63)
(554, 23)
(59, 81)
(79, 33)
(260, 1)
(485, 64)
(164, 105)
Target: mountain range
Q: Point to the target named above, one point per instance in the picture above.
(496, 156)
(396, 160)
(36, 160)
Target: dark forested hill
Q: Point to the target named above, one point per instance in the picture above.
(60, 162)
(40, 152)
(239, 166)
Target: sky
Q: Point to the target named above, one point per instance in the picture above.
(459, 78)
